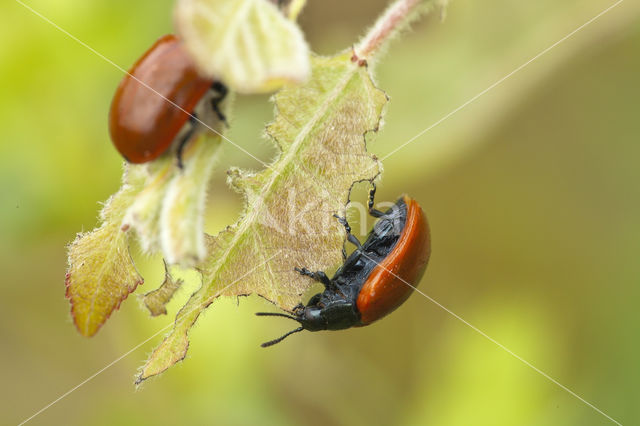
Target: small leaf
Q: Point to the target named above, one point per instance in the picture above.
(182, 215)
(247, 44)
(320, 128)
(164, 204)
(101, 273)
(143, 215)
(157, 299)
(168, 215)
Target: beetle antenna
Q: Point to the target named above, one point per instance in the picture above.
(274, 314)
(281, 338)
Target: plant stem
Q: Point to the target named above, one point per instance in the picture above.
(393, 19)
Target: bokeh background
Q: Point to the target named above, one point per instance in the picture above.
(532, 192)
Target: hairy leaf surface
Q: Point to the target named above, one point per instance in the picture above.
(101, 273)
(156, 300)
(288, 222)
(248, 44)
(154, 197)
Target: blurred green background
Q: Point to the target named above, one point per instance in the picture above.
(532, 193)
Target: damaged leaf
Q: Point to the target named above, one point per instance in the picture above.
(154, 196)
(288, 221)
(156, 300)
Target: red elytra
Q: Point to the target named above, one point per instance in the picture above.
(155, 100)
(375, 279)
(386, 288)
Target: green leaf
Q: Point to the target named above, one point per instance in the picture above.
(248, 44)
(165, 206)
(156, 300)
(168, 215)
(320, 129)
(143, 213)
(101, 273)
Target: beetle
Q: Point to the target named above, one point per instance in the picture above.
(375, 279)
(159, 102)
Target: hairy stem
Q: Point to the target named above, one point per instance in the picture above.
(397, 16)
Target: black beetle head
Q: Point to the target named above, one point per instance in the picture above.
(309, 318)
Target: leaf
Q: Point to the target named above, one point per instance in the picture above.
(248, 44)
(182, 215)
(143, 215)
(154, 197)
(164, 204)
(156, 300)
(101, 273)
(320, 129)
(168, 215)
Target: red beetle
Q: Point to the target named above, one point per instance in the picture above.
(158, 102)
(375, 279)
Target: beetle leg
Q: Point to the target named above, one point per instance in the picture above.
(319, 276)
(186, 138)
(352, 238)
(372, 194)
(298, 309)
(220, 93)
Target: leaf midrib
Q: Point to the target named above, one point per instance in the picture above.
(281, 163)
